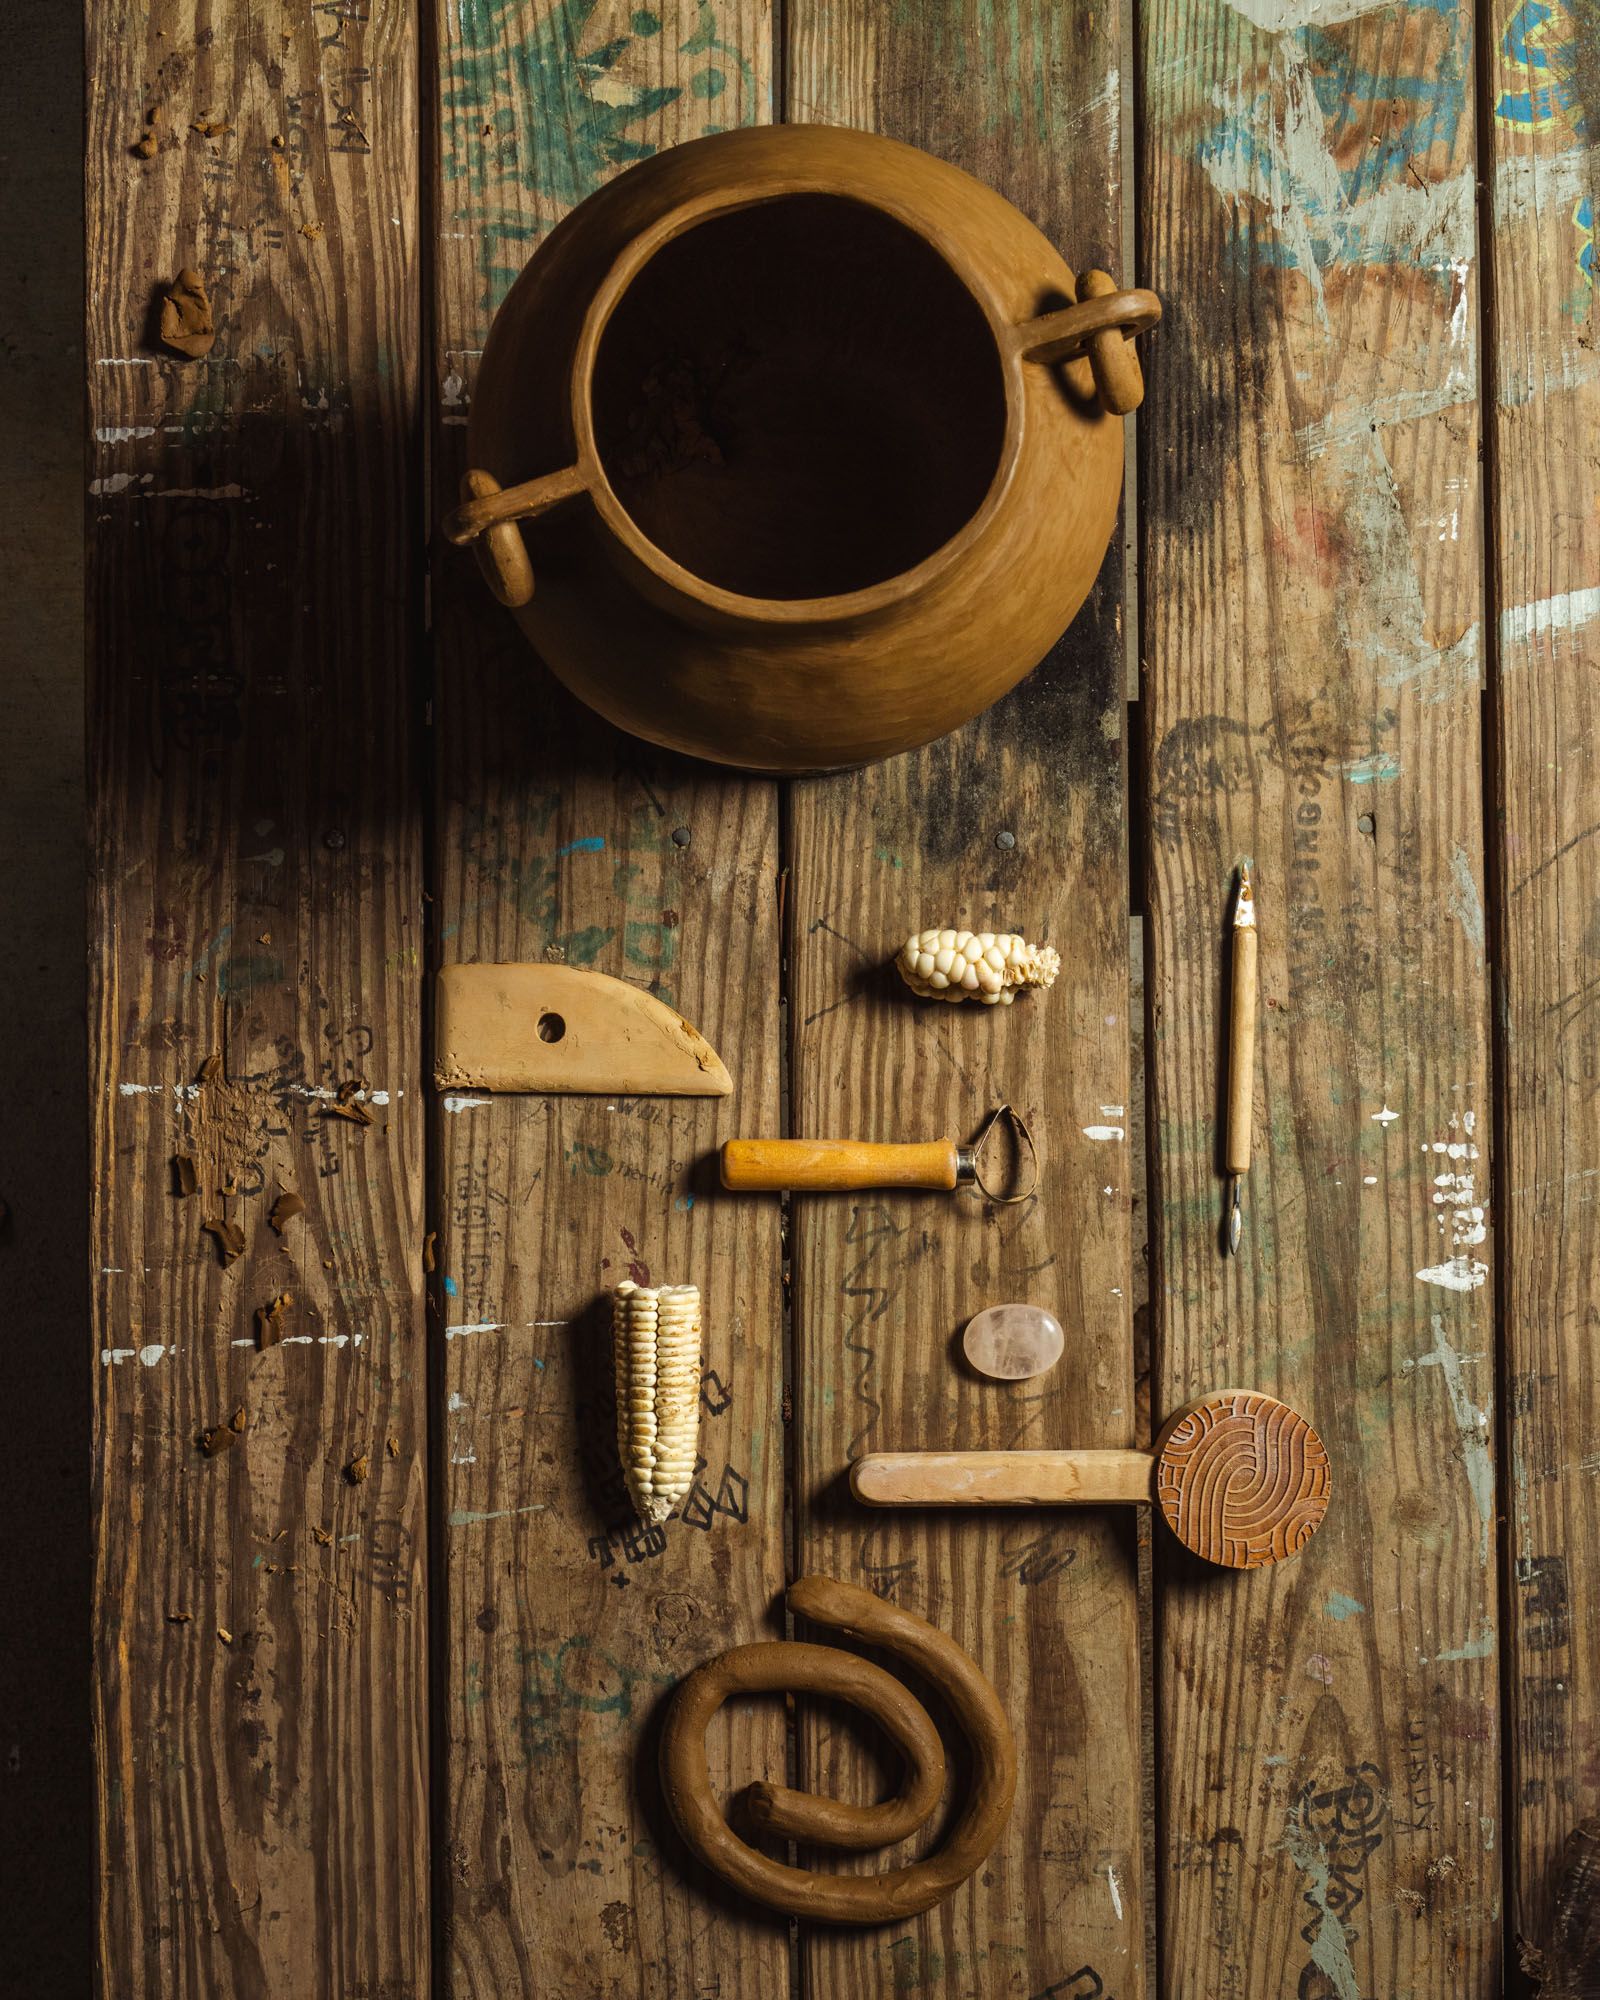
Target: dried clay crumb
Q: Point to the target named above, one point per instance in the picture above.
(208, 127)
(229, 1238)
(284, 1210)
(225, 1635)
(429, 1243)
(180, 1617)
(311, 231)
(269, 1320)
(358, 1468)
(323, 1537)
(188, 329)
(392, 1446)
(185, 1181)
(211, 1068)
(221, 1436)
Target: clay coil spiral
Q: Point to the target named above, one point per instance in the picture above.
(778, 1666)
(1242, 1479)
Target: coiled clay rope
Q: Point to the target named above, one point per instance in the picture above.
(780, 1665)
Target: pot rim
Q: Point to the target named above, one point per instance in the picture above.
(871, 598)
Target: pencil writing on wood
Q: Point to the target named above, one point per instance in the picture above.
(1241, 1051)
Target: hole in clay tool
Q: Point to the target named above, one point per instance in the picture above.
(551, 1027)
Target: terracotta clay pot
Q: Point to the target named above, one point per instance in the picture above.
(795, 447)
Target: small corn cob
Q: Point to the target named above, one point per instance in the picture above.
(655, 1335)
(975, 965)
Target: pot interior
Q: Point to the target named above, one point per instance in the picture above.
(798, 398)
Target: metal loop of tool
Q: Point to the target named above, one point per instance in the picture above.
(1024, 1138)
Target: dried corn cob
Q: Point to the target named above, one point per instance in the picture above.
(656, 1350)
(975, 965)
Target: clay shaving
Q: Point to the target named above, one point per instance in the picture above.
(185, 1181)
(222, 1437)
(230, 1238)
(187, 328)
(285, 1209)
(269, 1320)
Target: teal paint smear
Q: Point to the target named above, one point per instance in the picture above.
(1342, 1607)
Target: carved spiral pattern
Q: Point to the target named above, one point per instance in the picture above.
(782, 1814)
(1242, 1479)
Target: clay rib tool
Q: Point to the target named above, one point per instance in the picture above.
(1240, 1478)
(558, 1028)
(1241, 1051)
(826, 1165)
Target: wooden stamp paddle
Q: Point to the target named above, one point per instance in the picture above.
(1240, 1479)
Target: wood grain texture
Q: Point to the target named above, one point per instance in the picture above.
(884, 1283)
(256, 916)
(1544, 100)
(1311, 598)
(568, 1621)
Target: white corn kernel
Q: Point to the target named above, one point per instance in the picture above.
(989, 965)
(655, 1334)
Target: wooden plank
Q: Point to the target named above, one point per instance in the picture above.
(47, 1798)
(1546, 580)
(557, 838)
(260, 1616)
(1015, 822)
(1311, 586)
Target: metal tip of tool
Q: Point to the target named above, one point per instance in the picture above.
(1244, 903)
(1235, 1218)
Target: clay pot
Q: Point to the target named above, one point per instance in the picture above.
(795, 447)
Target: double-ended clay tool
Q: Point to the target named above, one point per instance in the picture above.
(1241, 1052)
(755, 1166)
(1240, 1479)
(557, 1028)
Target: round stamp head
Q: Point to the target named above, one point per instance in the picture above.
(1241, 1479)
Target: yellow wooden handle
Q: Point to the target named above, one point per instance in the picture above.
(1242, 1050)
(750, 1164)
(1001, 1478)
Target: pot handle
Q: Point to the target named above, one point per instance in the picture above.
(1101, 326)
(486, 519)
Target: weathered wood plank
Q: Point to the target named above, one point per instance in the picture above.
(1311, 586)
(1544, 69)
(260, 1657)
(1015, 822)
(556, 837)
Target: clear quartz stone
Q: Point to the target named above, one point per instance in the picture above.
(1013, 1343)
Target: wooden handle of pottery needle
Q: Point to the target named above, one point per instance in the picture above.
(1242, 1050)
(1001, 1478)
(749, 1165)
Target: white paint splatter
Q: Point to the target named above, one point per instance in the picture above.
(1277, 17)
(1472, 1426)
(1103, 1132)
(1369, 1180)
(465, 1517)
(1116, 1891)
(122, 433)
(150, 1355)
(463, 1103)
(1464, 903)
(113, 1357)
(184, 1092)
(1385, 1117)
(1456, 1274)
(1567, 611)
(1111, 1111)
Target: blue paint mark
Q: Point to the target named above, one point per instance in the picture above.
(451, 1287)
(684, 1203)
(1378, 769)
(537, 1362)
(1536, 39)
(594, 844)
(1341, 1607)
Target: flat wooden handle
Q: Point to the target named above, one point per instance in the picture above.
(751, 1164)
(1001, 1478)
(1242, 1050)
